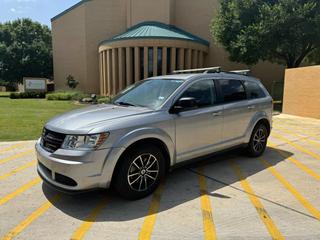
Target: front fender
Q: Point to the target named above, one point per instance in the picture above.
(147, 132)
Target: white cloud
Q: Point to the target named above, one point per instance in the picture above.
(13, 10)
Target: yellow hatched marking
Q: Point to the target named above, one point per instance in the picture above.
(29, 164)
(298, 126)
(264, 216)
(315, 212)
(297, 163)
(150, 219)
(31, 218)
(87, 223)
(7, 159)
(297, 146)
(11, 147)
(19, 190)
(209, 228)
(299, 136)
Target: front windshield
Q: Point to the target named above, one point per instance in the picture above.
(149, 93)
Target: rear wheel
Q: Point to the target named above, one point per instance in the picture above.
(140, 172)
(258, 141)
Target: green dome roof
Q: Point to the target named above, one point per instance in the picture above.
(156, 30)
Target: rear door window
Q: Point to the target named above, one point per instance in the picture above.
(232, 90)
(254, 90)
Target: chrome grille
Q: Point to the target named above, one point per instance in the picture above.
(51, 141)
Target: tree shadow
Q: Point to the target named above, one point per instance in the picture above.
(181, 186)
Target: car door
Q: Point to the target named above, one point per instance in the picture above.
(236, 111)
(198, 130)
(256, 98)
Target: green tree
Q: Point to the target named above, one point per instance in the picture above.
(280, 31)
(314, 57)
(25, 50)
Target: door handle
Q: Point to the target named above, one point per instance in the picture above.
(251, 107)
(216, 114)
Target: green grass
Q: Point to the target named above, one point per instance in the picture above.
(23, 119)
(4, 94)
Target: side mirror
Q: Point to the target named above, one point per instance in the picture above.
(184, 104)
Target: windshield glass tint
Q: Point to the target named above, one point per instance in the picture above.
(149, 93)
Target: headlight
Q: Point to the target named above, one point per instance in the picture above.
(84, 142)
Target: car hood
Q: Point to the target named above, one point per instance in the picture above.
(85, 119)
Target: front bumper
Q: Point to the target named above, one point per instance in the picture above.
(76, 170)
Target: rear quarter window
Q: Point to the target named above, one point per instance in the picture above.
(232, 90)
(254, 90)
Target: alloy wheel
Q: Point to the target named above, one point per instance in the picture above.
(143, 172)
(259, 140)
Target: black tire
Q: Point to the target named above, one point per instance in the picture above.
(148, 180)
(258, 141)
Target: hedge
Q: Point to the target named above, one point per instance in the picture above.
(67, 96)
(17, 95)
(104, 100)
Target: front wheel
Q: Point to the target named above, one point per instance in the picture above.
(140, 172)
(258, 141)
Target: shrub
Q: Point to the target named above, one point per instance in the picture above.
(71, 82)
(67, 96)
(17, 95)
(104, 100)
(64, 96)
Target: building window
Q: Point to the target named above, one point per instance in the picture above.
(169, 60)
(177, 57)
(141, 63)
(159, 61)
(150, 61)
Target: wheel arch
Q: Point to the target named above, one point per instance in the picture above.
(259, 117)
(141, 142)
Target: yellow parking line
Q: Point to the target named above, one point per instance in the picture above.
(26, 222)
(298, 136)
(20, 190)
(208, 223)
(150, 219)
(297, 163)
(29, 164)
(315, 212)
(297, 146)
(264, 216)
(297, 126)
(11, 147)
(313, 134)
(87, 223)
(7, 159)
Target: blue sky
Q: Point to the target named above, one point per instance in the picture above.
(38, 10)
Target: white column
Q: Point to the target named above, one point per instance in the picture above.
(129, 67)
(121, 66)
(109, 72)
(173, 60)
(164, 60)
(136, 64)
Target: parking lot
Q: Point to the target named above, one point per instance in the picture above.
(229, 196)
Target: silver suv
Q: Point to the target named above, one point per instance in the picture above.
(150, 127)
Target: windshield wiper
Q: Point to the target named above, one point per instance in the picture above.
(125, 104)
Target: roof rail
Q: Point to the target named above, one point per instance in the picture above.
(245, 72)
(199, 70)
